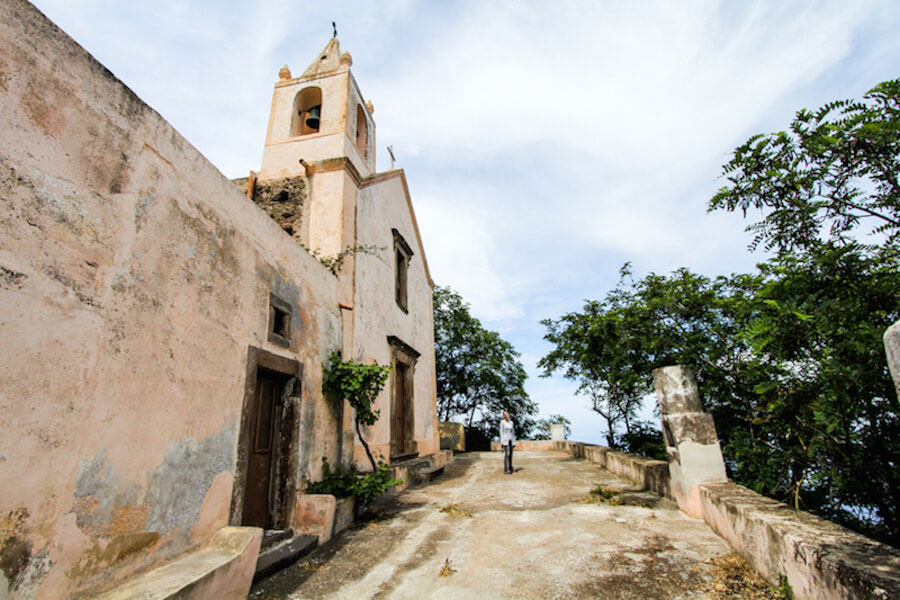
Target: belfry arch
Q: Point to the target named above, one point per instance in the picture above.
(307, 111)
(362, 132)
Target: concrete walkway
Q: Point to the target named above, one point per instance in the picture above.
(527, 537)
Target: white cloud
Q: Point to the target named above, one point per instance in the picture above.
(629, 85)
(545, 143)
(461, 252)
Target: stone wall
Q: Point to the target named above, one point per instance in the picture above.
(692, 444)
(821, 560)
(135, 284)
(646, 473)
(284, 200)
(453, 436)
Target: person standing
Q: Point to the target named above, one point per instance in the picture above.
(507, 441)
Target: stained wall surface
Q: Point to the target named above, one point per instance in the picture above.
(134, 280)
(384, 205)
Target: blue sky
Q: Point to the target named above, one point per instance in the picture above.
(545, 143)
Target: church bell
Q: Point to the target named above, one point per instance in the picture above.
(312, 119)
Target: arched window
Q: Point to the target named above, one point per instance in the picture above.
(307, 111)
(362, 132)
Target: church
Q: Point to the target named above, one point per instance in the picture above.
(165, 329)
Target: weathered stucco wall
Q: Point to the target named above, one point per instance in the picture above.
(381, 207)
(821, 560)
(134, 277)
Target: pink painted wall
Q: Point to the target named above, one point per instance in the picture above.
(383, 205)
(133, 279)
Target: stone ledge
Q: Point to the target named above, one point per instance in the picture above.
(527, 446)
(223, 568)
(650, 474)
(822, 560)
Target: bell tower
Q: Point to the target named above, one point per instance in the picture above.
(318, 116)
(321, 131)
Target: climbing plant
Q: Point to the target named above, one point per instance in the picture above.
(359, 385)
(335, 262)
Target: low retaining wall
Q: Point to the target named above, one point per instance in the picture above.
(322, 515)
(652, 475)
(821, 560)
(527, 445)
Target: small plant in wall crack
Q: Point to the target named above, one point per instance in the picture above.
(335, 262)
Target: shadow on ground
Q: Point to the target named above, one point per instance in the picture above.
(525, 535)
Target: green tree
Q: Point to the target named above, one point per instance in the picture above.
(789, 358)
(612, 345)
(479, 374)
(790, 363)
(542, 427)
(645, 440)
(359, 385)
(833, 176)
(828, 192)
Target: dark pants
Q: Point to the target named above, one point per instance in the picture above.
(507, 458)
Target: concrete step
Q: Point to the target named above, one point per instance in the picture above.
(273, 536)
(406, 458)
(426, 475)
(283, 554)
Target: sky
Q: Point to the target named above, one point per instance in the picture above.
(545, 143)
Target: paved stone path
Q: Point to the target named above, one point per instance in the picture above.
(527, 537)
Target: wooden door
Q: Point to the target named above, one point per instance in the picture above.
(261, 457)
(398, 411)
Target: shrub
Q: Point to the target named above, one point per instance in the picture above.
(345, 481)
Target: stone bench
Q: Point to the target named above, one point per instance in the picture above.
(222, 569)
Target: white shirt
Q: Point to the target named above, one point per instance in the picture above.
(507, 433)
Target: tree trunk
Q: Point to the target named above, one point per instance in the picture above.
(366, 446)
(610, 437)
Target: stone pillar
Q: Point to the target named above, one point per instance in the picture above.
(892, 348)
(453, 436)
(692, 444)
(557, 432)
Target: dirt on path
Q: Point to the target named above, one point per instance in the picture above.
(531, 534)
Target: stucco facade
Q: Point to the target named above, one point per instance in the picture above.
(348, 205)
(144, 300)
